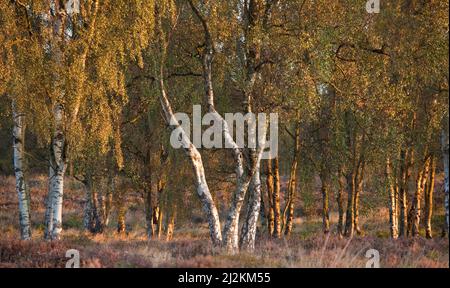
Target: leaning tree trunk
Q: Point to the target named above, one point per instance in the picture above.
(203, 192)
(429, 191)
(18, 151)
(445, 158)
(58, 170)
(393, 217)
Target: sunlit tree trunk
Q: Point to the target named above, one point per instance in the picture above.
(429, 191)
(270, 189)
(416, 205)
(393, 217)
(276, 199)
(171, 224)
(358, 190)
(209, 207)
(292, 185)
(21, 190)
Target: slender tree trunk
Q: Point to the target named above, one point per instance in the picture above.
(58, 170)
(148, 210)
(109, 197)
(405, 160)
(96, 210)
(445, 158)
(416, 206)
(325, 177)
(349, 220)
(270, 190)
(358, 190)
(340, 203)
(393, 218)
(262, 212)
(21, 190)
(292, 186)
(159, 226)
(276, 199)
(429, 191)
(171, 225)
(121, 221)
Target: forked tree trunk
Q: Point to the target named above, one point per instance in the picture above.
(393, 217)
(429, 191)
(21, 190)
(209, 207)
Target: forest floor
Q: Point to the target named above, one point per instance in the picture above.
(190, 247)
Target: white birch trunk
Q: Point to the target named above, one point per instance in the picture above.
(58, 169)
(18, 147)
(195, 158)
(48, 222)
(248, 234)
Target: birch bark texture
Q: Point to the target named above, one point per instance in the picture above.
(21, 189)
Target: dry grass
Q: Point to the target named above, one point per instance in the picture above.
(307, 247)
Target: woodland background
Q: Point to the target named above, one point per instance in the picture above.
(87, 92)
